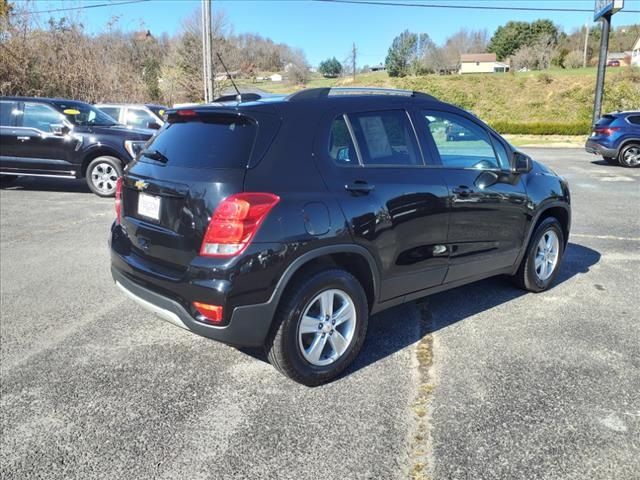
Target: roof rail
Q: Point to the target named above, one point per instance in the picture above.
(309, 93)
(313, 93)
(245, 97)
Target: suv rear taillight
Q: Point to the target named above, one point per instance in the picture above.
(235, 223)
(606, 131)
(118, 202)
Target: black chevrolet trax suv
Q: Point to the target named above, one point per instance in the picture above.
(47, 137)
(284, 223)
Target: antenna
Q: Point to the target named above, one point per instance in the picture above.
(239, 97)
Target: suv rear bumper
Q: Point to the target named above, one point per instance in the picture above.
(248, 327)
(597, 149)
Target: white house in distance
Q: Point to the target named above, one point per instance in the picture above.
(635, 53)
(481, 63)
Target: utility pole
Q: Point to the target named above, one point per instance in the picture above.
(210, 51)
(586, 44)
(353, 60)
(207, 58)
(602, 65)
(203, 22)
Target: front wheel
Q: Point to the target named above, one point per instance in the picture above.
(630, 156)
(320, 327)
(541, 262)
(102, 175)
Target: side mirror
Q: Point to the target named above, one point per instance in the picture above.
(522, 163)
(154, 125)
(60, 129)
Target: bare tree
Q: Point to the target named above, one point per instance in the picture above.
(59, 58)
(536, 56)
(464, 41)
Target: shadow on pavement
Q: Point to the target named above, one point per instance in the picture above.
(605, 163)
(395, 329)
(44, 184)
(386, 333)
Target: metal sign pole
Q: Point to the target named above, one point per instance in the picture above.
(602, 66)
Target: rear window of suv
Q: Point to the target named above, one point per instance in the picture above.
(212, 141)
(605, 120)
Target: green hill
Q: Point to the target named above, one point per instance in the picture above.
(550, 102)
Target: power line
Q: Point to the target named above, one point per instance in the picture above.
(84, 7)
(466, 7)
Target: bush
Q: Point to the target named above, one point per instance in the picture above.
(545, 78)
(573, 59)
(542, 128)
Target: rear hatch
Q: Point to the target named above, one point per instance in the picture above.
(602, 127)
(171, 190)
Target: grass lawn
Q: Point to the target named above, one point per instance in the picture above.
(560, 141)
(554, 96)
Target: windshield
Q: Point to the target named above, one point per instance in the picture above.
(85, 115)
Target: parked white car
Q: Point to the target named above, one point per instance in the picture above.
(135, 115)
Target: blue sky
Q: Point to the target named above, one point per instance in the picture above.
(326, 29)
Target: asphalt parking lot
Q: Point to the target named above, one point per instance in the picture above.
(479, 382)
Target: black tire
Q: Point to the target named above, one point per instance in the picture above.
(626, 153)
(97, 166)
(611, 160)
(283, 349)
(526, 276)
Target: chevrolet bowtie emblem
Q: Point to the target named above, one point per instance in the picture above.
(141, 184)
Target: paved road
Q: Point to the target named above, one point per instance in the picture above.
(548, 385)
(515, 386)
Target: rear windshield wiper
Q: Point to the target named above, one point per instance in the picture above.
(155, 155)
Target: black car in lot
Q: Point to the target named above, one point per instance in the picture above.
(64, 138)
(284, 223)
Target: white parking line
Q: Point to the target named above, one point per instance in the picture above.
(605, 237)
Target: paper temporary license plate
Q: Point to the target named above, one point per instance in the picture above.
(149, 206)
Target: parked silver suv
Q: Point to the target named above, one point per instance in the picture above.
(135, 115)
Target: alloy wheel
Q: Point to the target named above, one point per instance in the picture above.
(632, 156)
(327, 327)
(104, 177)
(547, 252)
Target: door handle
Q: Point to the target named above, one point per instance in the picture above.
(23, 138)
(462, 191)
(359, 186)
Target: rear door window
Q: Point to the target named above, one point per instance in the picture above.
(113, 112)
(139, 118)
(8, 113)
(634, 119)
(386, 138)
(212, 141)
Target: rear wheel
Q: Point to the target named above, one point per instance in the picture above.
(102, 174)
(541, 263)
(320, 327)
(629, 156)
